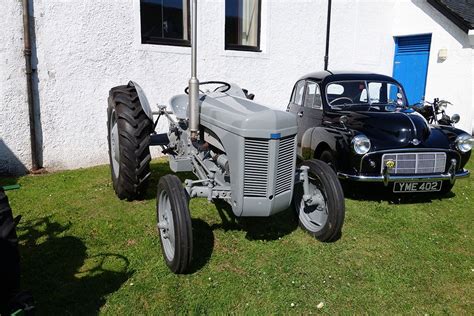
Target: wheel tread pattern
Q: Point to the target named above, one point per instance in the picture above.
(135, 128)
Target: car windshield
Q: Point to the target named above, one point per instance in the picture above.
(365, 95)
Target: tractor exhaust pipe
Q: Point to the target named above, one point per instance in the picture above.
(194, 82)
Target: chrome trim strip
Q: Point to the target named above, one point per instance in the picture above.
(435, 177)
(416, 159)
(415, 132)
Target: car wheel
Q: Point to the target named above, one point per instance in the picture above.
(446, 187)
(328, 158)
(174, 224)
(323, 221)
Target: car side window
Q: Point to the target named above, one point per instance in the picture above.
(313, 96)
(298, 93)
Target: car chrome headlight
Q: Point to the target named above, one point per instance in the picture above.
(361, 144)
(464, 142)
(455, 118)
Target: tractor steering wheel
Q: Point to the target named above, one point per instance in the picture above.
(341, 98)
(223, 85)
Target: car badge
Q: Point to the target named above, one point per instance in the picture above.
(415, 142)
(390, 164)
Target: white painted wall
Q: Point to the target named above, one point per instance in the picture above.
(86, 47)
(14, 128)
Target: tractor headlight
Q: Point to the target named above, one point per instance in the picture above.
(361, 144)
(464, 142)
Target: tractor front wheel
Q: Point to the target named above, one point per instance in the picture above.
(129, 130)
(174, 224)
(322, 220)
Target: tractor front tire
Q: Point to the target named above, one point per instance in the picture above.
(129, 130)
(323, 222)
(174, 224)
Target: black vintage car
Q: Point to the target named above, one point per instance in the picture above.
(361, 124)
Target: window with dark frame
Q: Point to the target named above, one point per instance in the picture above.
(242, 25)
(165, 22)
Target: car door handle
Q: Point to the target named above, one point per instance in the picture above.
(300, 114)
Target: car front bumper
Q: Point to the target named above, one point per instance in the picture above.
(386, 177)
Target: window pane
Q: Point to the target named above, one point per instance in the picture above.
(165, 21)
(298, 94)
(385, 93)
(242, 24)
(313, 96)
(346, 93)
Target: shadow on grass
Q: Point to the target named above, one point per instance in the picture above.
(158, 169)
(203, 239)
(63, 278)
(377, 192)
(257, 228)
(7, 181)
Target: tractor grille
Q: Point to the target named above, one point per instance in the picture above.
(416, 163)
(285, 165)
(256, 167)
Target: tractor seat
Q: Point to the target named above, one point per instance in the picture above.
(179, 106)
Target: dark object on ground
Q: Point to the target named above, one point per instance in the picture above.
(11, 299)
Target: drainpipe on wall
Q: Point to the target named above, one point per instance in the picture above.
(328, 32)
(35, 165)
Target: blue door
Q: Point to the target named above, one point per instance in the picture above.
(410, 66)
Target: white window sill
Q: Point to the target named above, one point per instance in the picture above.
(168, 49)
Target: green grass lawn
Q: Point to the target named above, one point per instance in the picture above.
(84, 251)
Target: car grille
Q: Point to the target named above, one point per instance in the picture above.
(256, 167)
(285, 165)
(416, 163)
(257, 162)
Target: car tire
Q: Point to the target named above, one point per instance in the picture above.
(323, 224)
(328, 158)
(174, 224)
(129, 130)
(446, 187)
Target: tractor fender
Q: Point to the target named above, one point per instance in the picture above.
(143, 99)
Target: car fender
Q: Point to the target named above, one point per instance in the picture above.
(314, 137)
(143, 99)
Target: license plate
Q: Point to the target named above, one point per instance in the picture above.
(407, 187)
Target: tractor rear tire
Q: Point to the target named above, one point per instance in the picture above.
(174, 224)
(129, 130)
(324, 223)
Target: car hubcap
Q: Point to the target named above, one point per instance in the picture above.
(314, 217)
(166, 225)
(114, 145)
